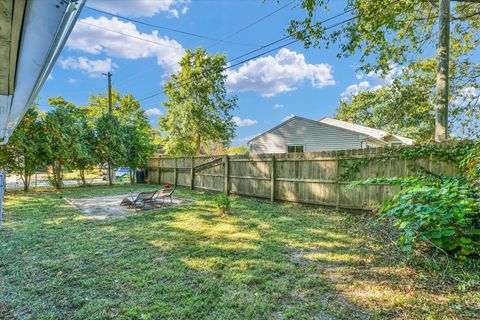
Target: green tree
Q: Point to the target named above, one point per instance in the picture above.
(61, 144)
(138, 135)
(137, 138)
(198, 108)
(126, 108)
(111, 147)
(22, 154)
(138, 148)
(391, 32)
(86, 158)
(400, 108)
(238, 150)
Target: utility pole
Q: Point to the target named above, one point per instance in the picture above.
(443, 57)
(109, 79)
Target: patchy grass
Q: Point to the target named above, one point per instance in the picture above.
(264, 261)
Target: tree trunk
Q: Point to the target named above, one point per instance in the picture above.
(26, 182)
(443, 52)
(132, 176)
(82, 176)
(198, 145)
(110, 182)
(57, 174)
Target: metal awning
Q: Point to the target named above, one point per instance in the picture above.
(32, 35)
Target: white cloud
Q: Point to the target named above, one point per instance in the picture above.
(272, 75)
(72, 80)
(353, 89)
(290, 116)
(141, 8)
(94, 68)
(87, 38)
(278, 106)
(50, 77)
(372, 81)
(244, 122)
(466, 96)
(153, 112)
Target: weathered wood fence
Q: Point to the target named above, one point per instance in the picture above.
(313, 178)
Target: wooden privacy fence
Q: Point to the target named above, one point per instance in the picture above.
(313, 178)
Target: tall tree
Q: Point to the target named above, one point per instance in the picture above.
(400, 108)
(62, 143)
(198, 107)
(111, 147)
(137, 138)
(138, 148)
(86, 158)
(22, 154)
(405, 32)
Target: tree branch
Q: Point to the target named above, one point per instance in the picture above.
(467, 16)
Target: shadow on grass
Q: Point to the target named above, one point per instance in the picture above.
(264, 261)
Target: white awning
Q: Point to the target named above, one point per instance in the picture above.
(45, 27)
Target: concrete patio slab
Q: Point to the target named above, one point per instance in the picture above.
(108, 207)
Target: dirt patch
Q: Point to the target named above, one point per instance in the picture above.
(108, 207)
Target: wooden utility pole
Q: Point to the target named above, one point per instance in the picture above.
(443, 57)
(109, 79)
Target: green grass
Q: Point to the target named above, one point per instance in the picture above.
(264, 261)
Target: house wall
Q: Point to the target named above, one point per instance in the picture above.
(374, 143)
(311, 134)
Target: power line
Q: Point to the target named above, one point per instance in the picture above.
(127, 35)
(287, 37)
(261, 54)
(251, 24)
(156, 93)
(169, 29)
(226, 68)
(218, 40)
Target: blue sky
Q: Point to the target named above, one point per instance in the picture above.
(288, 81)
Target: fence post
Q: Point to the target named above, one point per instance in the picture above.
(338, 188)
(272, 179)
(225, 174)
(159, 171)
(192, 174)
(3, 178)
(175, 173)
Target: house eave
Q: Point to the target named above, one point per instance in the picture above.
(45, 27)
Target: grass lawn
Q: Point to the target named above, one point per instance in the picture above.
(264, 261)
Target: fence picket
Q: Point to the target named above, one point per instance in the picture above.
(313, 178)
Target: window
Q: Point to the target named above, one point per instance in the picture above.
(295, 149)
(366, 145)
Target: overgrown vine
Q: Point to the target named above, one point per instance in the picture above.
(432, 208)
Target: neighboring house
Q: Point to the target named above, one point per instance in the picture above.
(299, 134)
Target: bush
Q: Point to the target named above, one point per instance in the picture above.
(443, 211)
(222, 201)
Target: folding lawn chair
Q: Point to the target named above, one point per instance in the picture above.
(140, 201)
(165, 193)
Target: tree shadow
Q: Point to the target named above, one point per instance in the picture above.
(265, 261)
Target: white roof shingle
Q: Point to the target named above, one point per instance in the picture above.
(371, 132)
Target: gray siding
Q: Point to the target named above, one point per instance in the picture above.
(314, 135)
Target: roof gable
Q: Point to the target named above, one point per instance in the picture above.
(371, 132)
(296, 118)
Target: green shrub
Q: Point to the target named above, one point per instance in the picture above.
(222, 201)
(443, 211)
